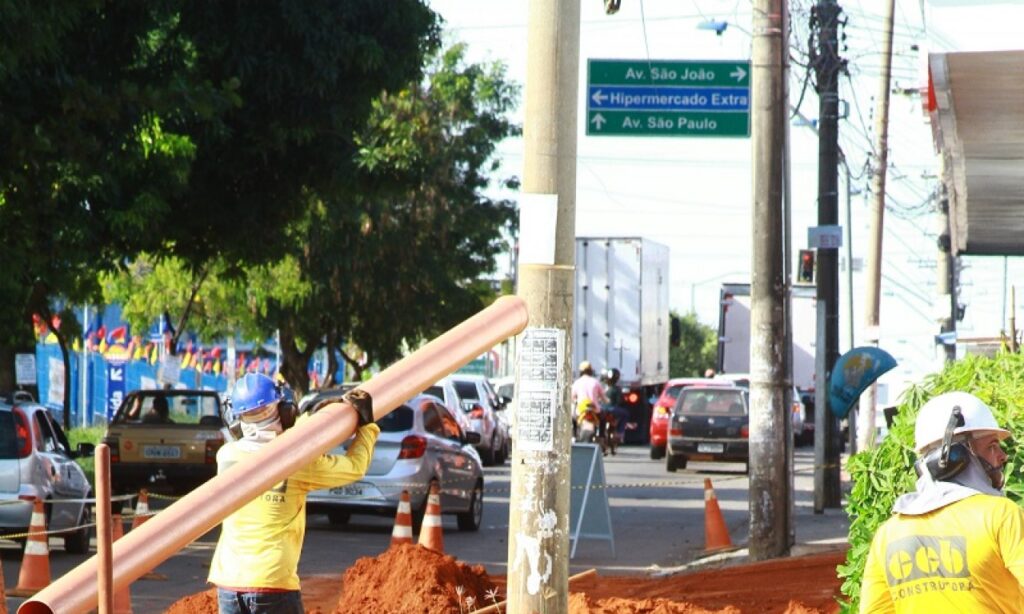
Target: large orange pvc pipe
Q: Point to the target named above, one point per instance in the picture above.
(145, 547)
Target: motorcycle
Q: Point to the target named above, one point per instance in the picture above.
(596, 426)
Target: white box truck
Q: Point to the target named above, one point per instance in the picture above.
(734, 345)
(622, 317)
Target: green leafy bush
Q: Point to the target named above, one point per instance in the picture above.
(881, 475)
(91, 434)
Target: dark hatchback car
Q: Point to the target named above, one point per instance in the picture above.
(709, 424)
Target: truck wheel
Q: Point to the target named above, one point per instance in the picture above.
(657, 452)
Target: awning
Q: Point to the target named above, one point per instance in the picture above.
(977, 105)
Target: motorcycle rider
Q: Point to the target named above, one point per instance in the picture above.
(615, 405)
(587, 392)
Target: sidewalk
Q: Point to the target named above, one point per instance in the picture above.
(815, 533)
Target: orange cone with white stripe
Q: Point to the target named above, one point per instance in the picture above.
(431, 533)
(123, 597)
(141, 509)
(35, 567)
(716, 534)
(402, 533)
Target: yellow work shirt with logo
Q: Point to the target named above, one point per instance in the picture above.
(965, 557)
(260, 544)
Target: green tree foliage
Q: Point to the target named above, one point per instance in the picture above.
(193, 129)
(402, 257)
(697, 350)
(85, 164)
(305, 74)
(881, 475)
(398, 253)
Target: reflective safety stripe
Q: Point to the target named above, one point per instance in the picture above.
(431, 520)
(434, 500)
(709, 495)
(404, 508)
(34, 547)
(38, 520)
(402, 531)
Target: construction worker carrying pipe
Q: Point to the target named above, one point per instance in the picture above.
(255, 565)
(956, 544)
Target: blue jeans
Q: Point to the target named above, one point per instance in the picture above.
(231, 602)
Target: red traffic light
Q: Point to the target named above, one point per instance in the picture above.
(805, 269)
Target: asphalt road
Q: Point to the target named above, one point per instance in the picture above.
(657, 520)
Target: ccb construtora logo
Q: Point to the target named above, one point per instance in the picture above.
(926, 557)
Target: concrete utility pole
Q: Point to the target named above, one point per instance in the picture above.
(787, 277)
(538, 532)
(873, 281)
(828, 65)
(945, 288)
(769, 479)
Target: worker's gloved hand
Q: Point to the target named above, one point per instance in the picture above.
(361, 400)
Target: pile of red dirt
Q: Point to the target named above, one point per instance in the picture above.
(408, 578)
(411, 579)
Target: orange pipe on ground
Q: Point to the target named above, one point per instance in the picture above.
(104, 534)
(142, 549)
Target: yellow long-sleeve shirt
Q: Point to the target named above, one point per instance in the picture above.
(260, 544)
(965, 557)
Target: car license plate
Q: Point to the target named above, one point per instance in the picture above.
(350, 490)
(711, 448)
(161, 452)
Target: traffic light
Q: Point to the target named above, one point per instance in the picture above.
(805, 268)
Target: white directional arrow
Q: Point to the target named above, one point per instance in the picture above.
(738, 74)
(599, 97)
(598, 120)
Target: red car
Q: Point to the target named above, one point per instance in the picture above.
(663, 411)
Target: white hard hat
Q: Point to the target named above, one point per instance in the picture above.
(933, 418)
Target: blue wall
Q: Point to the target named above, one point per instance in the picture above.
(138, 374)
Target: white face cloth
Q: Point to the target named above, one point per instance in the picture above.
(932, 495)
(261, 426)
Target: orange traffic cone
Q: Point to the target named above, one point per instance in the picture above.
(402, 533)
(716, 534)
(35, 567)
(123, 597)
(141, 509)
(431, 533)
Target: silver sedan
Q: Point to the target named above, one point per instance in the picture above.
(420, 443)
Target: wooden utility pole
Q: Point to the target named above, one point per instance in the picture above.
(828, 65)
(769, 479)
(873, 280)
(538, 532)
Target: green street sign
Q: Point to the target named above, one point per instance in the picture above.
(669, 72)
(668, 98)
(667, 123)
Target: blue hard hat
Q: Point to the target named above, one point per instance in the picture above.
(253, 391)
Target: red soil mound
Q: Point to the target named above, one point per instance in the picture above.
(408, 578)
(412, 579)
